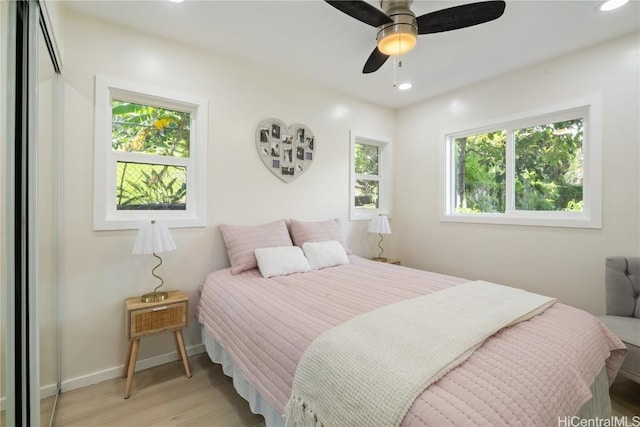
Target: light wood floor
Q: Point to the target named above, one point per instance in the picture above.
(163, 396)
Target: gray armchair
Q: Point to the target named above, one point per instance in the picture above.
(622, 282)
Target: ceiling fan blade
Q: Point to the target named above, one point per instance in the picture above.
(462, 16)
(362, 11)
(375, 61)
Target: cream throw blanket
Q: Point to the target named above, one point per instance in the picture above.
(369, 370)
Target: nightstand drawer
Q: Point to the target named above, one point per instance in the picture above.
(160, 318)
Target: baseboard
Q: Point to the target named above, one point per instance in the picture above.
(45, 391)
(116, 372)
(48, 390)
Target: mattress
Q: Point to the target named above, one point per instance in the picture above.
(531, 373)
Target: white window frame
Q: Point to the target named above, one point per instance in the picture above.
(590, 110)
(384, 176)
(105, 214)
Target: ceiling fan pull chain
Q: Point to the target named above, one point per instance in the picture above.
(395, 80)
(395, 63)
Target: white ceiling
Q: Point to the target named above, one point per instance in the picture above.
(312, 41)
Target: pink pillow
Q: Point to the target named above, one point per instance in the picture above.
(242, 241)
(302, 232)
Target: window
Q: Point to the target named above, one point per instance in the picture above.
(536, 169)
(150, 156)
(370, 177)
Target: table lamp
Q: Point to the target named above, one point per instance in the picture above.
(379, 224)
(153, 238)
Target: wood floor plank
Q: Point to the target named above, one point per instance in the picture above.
(164, 397)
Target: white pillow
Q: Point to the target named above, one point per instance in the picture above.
(280, 261)
(325, 254)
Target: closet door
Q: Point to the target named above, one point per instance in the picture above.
(6, 63)
(29, 218)
(14, 18)
(45, 224)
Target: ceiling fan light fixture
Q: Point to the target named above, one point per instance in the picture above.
(400, 35)
(397, 43)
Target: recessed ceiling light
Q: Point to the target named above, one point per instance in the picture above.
(405, 86)
(612, 4)
(176, 1)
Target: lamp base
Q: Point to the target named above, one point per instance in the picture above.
(380, 259)
(154, 297)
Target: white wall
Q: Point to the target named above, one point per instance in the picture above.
(98, 270)
(565, 263)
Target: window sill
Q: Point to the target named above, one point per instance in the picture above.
(133, 224)
(358, 215)
(540, 219)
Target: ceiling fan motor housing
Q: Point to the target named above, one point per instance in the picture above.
(404, 27)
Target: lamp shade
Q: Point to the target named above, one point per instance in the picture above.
(379, 224)
(153, 237)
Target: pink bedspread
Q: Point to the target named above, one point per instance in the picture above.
(528, 374)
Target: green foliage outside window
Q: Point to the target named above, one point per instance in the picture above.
(151, 187)
(148, 130)
(548, 169)
(366, 165)
(481, 172)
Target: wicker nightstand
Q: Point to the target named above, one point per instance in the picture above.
(148, 318)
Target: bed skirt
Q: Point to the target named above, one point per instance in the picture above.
(599, 406)
(257, 404)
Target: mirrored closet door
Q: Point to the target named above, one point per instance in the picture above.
(46, 218)
(29, 308)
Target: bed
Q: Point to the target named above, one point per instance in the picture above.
(556, 364)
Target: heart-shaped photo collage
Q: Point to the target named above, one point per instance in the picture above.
(287, 151)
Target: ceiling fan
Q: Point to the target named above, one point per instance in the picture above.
(398, 26)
